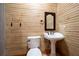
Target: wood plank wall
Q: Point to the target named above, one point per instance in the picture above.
(68, 24)
(23, 20)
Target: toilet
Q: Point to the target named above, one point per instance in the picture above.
(33, 45)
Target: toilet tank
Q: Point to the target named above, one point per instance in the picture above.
(33, 41)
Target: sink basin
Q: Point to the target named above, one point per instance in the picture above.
(53, 36)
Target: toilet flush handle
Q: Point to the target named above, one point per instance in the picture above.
(28, 40)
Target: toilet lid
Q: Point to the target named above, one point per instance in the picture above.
(34, 52)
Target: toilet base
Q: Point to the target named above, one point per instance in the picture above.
(34, 52)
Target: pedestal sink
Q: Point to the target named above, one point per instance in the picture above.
(53, 37)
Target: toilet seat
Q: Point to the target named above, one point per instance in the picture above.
(34, 52)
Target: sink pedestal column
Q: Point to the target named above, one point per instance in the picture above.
(53, 51)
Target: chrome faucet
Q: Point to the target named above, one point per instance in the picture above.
(50, 32)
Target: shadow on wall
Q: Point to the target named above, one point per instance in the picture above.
(47, 47)
(62, 48)
(2, 35)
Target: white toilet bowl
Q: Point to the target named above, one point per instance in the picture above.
(33, 45)
(34, 52)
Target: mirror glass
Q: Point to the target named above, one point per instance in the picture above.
(49, 22)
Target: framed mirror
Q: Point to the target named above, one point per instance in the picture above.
(49, 21)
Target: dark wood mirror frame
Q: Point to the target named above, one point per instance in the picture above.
(53, 15)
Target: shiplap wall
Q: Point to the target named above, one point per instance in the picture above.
(68, 24)
(29, 15)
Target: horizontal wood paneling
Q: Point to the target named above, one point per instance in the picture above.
(29, 15)
(68, 24)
